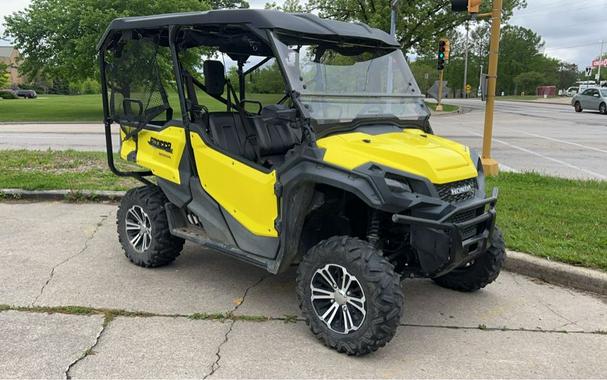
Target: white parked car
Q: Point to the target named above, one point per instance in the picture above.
(571, 91)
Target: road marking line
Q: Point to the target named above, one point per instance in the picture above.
(565, 142)
(563, 163)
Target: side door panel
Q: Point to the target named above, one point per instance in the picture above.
(245, 193)
(159, 150)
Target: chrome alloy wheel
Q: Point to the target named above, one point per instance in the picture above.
(138, 229)
(338, 299)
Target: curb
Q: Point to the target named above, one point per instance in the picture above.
(62, 195)
(589, 280)
(534, 102)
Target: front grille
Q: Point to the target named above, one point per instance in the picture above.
(464, 216)
(445, 191)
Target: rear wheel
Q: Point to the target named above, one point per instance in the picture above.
(143, 228)
(349, 295)
(479, 273)
(603, 108)
(578, 107)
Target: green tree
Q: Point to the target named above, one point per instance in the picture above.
(529, 81)
(519, 53)
(420, 22)
(57, 38)
(292, 6)
(567, 75)
(4, 78)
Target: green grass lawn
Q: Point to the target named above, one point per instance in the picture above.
(560, 219)
(87, 108)
(76, 108)
(72, 170)
(52, 108)
(555, 218)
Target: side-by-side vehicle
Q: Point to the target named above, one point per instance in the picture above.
(288, 140)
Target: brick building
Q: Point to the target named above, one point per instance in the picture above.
(10, 56)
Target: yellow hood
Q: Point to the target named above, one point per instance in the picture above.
(412, 151)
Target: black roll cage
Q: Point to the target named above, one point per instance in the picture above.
(179, 73)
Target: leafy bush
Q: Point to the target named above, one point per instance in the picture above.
(86, 87)
(7, 95)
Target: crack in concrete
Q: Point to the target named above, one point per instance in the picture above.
(84, 248)
(504, 328)
(541, 302)
(90, 350)
(216, 364)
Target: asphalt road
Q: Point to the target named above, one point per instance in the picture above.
(58, 254)
(547, 138)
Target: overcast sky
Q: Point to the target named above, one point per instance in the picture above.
(572, 30)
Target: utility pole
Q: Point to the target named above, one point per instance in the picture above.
(600, 61)
(480, 81)
(393, 5)
(466, 61)
(490, 166)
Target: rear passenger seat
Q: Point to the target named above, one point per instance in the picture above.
(273, 139)
(229, 134)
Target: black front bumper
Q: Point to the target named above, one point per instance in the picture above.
(443, 245)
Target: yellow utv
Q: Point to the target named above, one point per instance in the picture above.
(288, 140)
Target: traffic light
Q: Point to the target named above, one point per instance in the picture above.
(442, 49)
(447, 49)
(472, 6)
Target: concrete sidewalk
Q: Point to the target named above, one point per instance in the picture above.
(56, 255)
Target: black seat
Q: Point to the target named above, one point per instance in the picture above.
(228, 133)
(275, 136)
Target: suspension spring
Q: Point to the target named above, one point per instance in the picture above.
(374, 226)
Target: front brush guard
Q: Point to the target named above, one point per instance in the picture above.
(441, 245)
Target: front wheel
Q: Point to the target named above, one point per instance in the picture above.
(603, 108)
(349, 295)
(578, 107)
(480, 272)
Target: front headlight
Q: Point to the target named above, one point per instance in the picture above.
(397, 184)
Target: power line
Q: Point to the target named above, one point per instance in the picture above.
(573, 46)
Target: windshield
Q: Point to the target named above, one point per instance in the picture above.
(340, 82)
(604, 93)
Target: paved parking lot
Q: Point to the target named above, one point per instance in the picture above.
(57, 255)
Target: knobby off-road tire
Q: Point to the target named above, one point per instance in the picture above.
(578, 107)
(373, 279)
(483, 271)
(146, 205)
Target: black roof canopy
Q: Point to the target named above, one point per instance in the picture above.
(296, 23)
